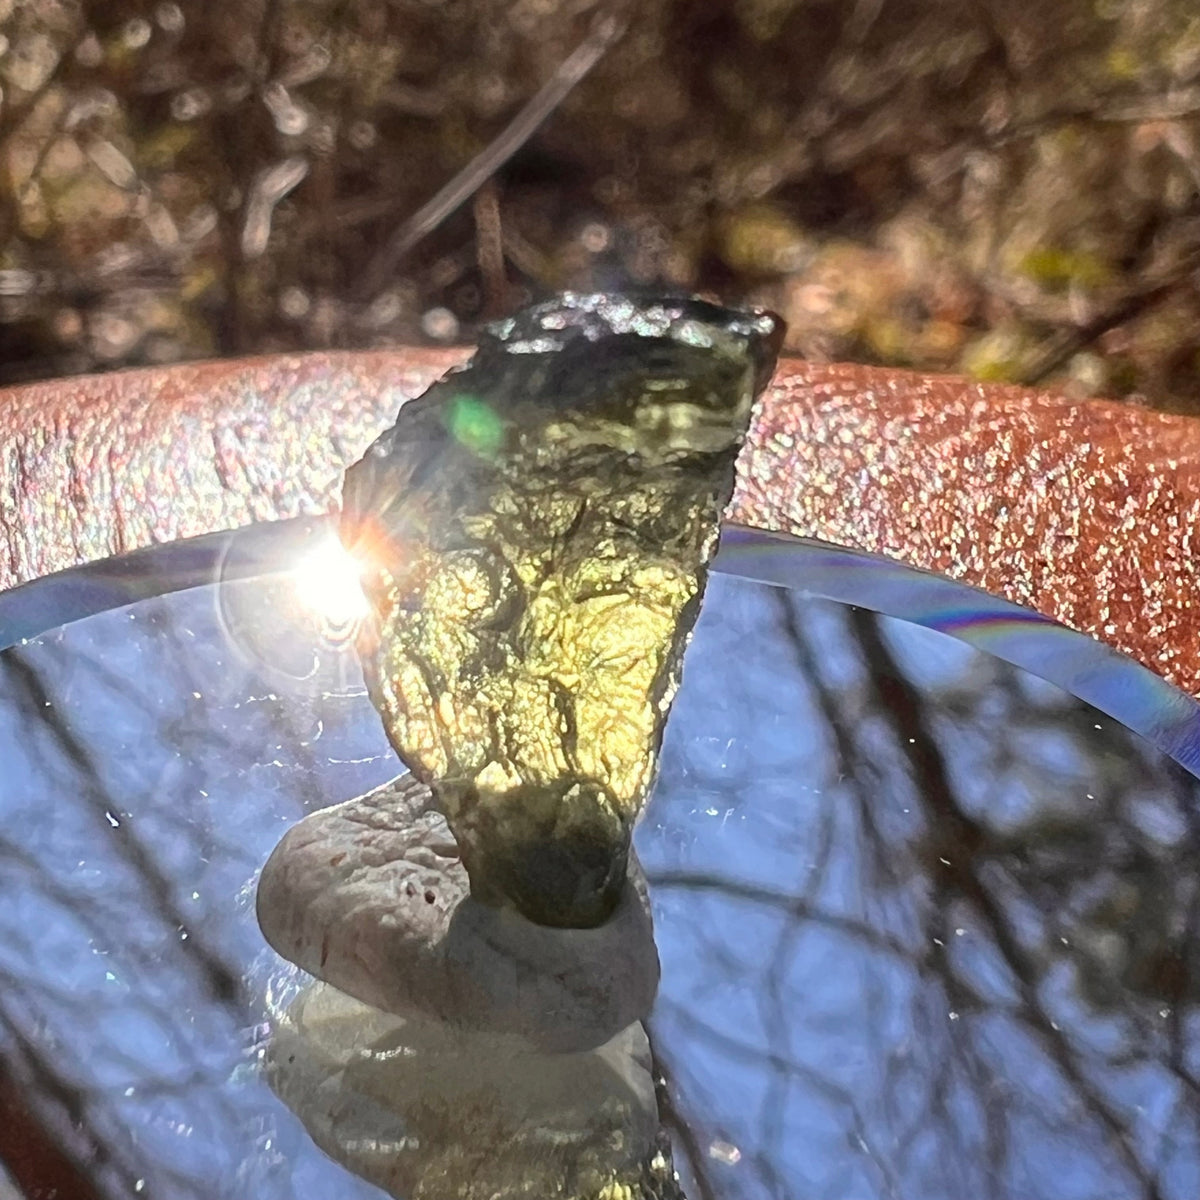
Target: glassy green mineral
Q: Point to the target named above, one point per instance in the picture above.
(535, 531)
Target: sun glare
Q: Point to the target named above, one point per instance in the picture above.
(326, 583)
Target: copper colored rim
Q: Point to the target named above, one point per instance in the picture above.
(1082, 511)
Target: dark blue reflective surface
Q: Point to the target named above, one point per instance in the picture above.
(926, 921)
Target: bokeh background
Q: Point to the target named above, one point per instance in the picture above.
(995, 187)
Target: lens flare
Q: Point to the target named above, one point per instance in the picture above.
(327, 584)
(301, 623)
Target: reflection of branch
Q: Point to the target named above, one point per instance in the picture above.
(683, 1135)
(850, 759)
(798, 1072)
(786, 902)
(957, 844)
(223, 983)
(33, 1154)
(1177, 1053)
(96, 1154)
(998, 896)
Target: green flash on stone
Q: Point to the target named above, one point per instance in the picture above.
(536, 530)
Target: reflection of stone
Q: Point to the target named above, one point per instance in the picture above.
(536, 529)
(430, 1113)
(371, 896)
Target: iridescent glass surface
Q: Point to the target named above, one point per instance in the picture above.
(926, 922)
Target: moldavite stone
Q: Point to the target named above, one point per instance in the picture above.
(536, 529)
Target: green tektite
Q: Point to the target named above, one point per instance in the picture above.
(536, 530)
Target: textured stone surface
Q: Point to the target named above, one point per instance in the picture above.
(424, 1111)
(1084, 510)
(534, 532)
(371, 896)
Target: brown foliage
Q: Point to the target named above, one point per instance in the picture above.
(1000, 188)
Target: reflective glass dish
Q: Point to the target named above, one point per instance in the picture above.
(924, 866)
